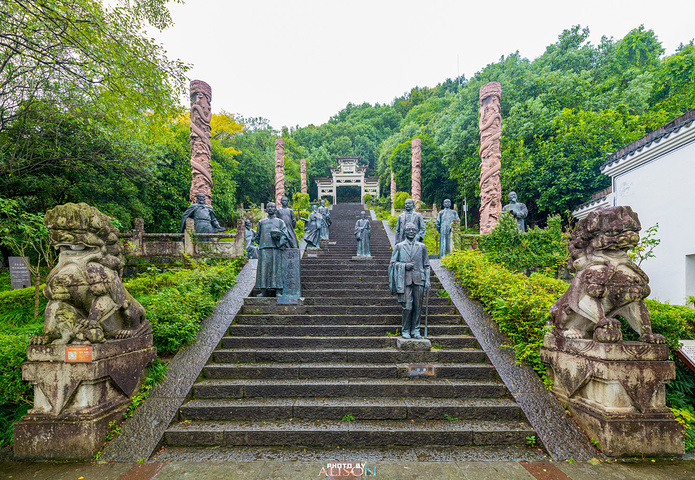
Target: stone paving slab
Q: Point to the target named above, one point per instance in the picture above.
(405, 468)
(143, 431)
(557, 431)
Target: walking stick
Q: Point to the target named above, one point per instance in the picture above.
(427, 310)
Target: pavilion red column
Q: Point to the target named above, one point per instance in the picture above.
(201, 114)
(490, 125)
(279, 170)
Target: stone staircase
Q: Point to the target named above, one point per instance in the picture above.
(326, 373)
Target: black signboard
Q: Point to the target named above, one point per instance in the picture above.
(20, 276)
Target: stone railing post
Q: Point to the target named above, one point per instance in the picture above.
(188, 246)
(240, 239)
(138, 237)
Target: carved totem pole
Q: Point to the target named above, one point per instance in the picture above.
(415, 186)
(302, 167)
(490, 154)
(201, 113)
(279, 170)
(393, 193)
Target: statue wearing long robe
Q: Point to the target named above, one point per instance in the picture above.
(444, 221)
(272, 235)
(363, 232)
(326, 214)
(286, 214)
(312, 229)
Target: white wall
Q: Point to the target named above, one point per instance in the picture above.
(661, 191)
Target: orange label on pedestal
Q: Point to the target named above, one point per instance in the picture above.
(81, 353)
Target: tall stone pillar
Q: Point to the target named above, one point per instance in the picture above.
(279, 170)
(415, 184)
(393, 193)
(490, 125)
(201, 113)
(302, 167)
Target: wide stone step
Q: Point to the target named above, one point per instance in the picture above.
(336, 408)
(302, 330)
(381, 341)
(337, 433)
(393, 319)
(389, 320)
(298, 371)
(340, 387)
(355, 290)
(254, 302)
(393, 308)
(351, 355)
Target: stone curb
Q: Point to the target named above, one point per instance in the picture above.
(143, 431)
(561, 436)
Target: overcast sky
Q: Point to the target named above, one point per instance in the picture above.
(298, 62)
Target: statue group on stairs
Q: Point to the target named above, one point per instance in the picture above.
(316, 226)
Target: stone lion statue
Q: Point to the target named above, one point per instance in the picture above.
(607, 283)
(87, 302)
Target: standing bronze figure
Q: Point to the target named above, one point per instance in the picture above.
(326, 213)
(444, 221)
(272, 236)
(203, 217)
(363, 233)
(312, 228)
(286, 214)
(409, 277)
(410, 216)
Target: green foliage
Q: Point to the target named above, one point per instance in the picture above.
(15, 395)
(518, 304)
(176, 302)
(399, 200)
(393, 222)
(300, 201)
(367, 200)
(537, 249)
(646, 245)
(531, 441)
(449, 418)
(349, 418)
(686, 417)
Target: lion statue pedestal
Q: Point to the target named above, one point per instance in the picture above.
(95, 347)
(614, 389)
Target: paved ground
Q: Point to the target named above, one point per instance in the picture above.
(617, 469)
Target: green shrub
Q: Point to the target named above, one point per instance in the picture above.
(537, 249)
(16, 396)
(17, 311)
(399, 200)
(518, 304)
(300, 201)
(393, 222)
(367, 199)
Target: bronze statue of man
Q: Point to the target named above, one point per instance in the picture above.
(326, 212)
(312, 228)
(251, 247)
(272, 236)
(286, 214)
(410, 216)
(444, 221)
(517, 209)
(409, 277)
(203, 217)
(363, 232)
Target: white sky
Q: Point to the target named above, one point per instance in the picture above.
(297, 62)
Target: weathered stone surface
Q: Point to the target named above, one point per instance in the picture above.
(607, 283)
(413, 344)
(302, 171)
(201, 114)
(620, 402)
(490, 155)
(87, 302)
(416, 164)
(279, 169)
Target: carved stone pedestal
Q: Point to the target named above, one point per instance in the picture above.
(291, 274)
(413, 344)
(75, 397)
(616, 392)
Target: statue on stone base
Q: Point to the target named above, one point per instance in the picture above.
(286, 214)
(87, 302)
(363, 232)
(409, 277)
(607, 283)
(410, 216)
(272, 236)
(312, 228)
(517, 209)
(444, 220)
(326, 225)
(251, 247)
(203, 217)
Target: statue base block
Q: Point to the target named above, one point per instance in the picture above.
(616, 392)
(76, 397)
(413, 344)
